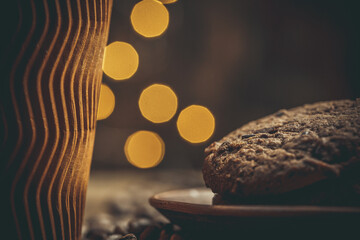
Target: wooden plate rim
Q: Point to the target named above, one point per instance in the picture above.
(245, 210)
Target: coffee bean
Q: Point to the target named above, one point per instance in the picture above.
(169, 227)
(121, 228)
(150, 233)
(165, 235)
(96, 234)
(142, 212)
(84, 229)
(176, 228)
(166, 232)
(136, 226)
(114, 208)
(128, 237)
(102, 221)
(118, 209)
(115, 237)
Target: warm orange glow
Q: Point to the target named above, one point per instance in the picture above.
(167, 1)
(158, 103)
(144, 149)
(120, 60)
(149, 18)
(196, 124)
(106, 102)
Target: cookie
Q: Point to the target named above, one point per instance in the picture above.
(290, 150)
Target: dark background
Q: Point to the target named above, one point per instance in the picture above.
(241, 59)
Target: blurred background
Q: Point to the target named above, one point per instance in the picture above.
(239, 59)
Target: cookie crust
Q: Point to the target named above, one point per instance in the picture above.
(287, 150)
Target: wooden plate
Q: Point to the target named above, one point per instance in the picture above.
(193, 209)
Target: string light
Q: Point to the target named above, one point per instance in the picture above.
(196, 124)
(144, 149)
(120, 60)
(167, 1)
(106, 102)
(149, 18)
(158, 103)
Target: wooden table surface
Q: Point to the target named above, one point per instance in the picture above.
(126, 192)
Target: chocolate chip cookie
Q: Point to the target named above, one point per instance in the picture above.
(291, 150)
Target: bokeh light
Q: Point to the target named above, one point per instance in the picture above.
(149, 18)
(120, 60)
(144, 149)
(158, 103)
(106, 102)
(167, 1)
(196, 124)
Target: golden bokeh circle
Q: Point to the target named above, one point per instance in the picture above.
(144, 149)
(106, 102)
(196, 124)
(158, 103)
(149, 18)
(167, 1)
(120, 60)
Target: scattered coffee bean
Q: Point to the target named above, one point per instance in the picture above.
(166, 232)
(164, 235)
(150, 233)
(120, 209)
(102, 221)
(115, 208)
(176, 228)
(121, 228)
(96, 234)
(169, 227)
(128, 237)
(142, 213)
(115, 237)
(136, 226)
(84, 229)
